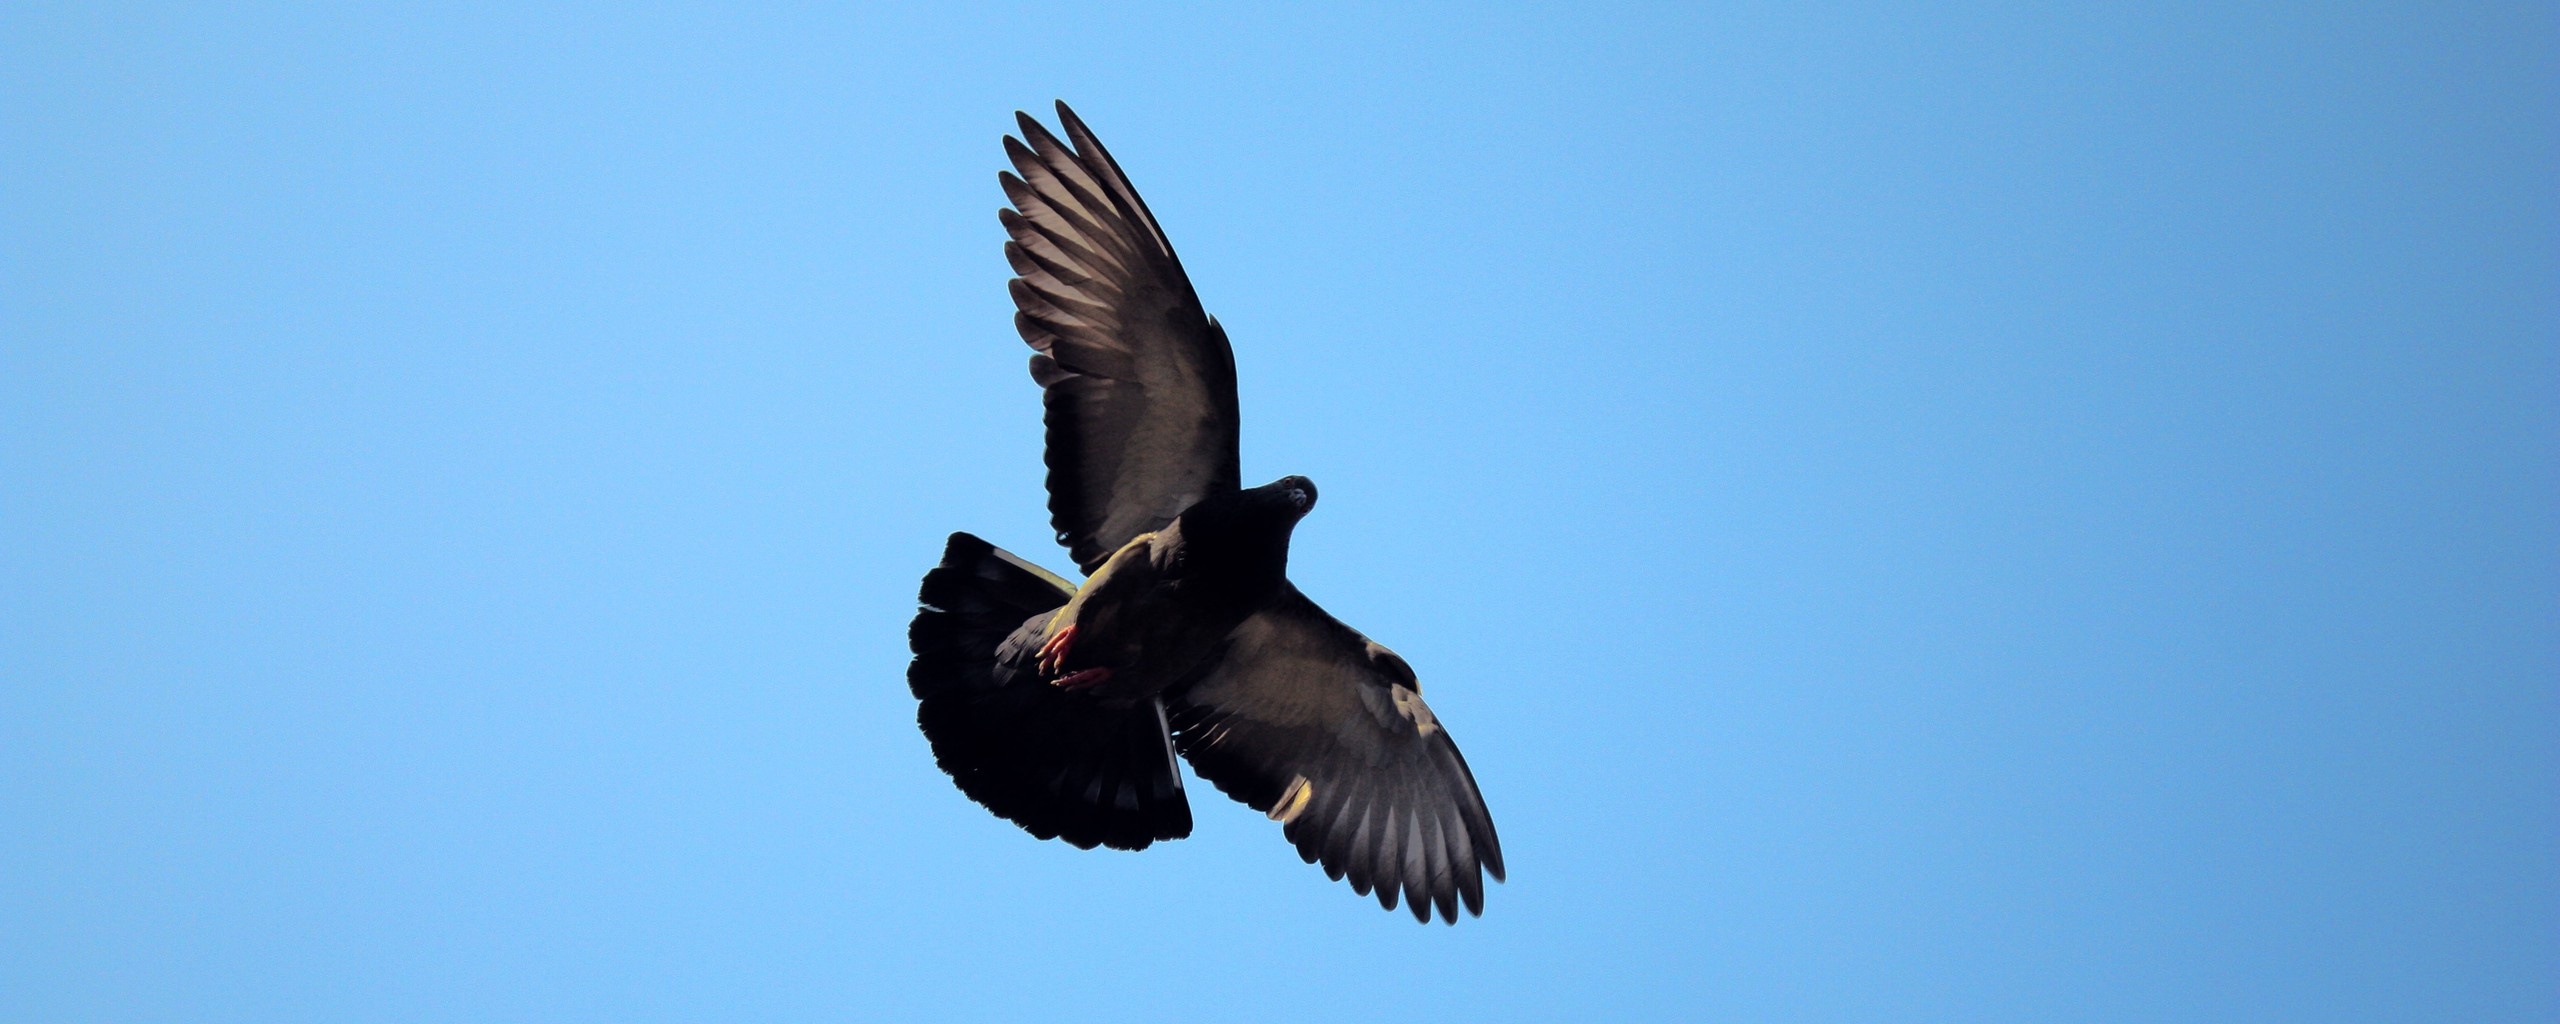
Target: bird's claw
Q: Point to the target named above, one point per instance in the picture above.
(1082, 679)
(1053, 653)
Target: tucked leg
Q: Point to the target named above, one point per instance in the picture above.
(1082, 679)
(1053, 654)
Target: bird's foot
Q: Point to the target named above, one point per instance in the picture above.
(1084, 679)
(1053, 654)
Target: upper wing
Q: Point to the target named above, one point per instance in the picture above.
(1141, 386)
(1320, 727)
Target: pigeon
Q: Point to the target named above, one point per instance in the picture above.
(1063, 707)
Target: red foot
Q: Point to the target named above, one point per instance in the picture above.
(1085, 679)
(1053, 654)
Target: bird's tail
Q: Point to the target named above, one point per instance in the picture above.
(1061, 765)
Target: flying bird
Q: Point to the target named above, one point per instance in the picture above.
(1061, 707)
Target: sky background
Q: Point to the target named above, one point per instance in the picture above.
(1968, 513)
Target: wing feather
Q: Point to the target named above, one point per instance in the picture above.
(1300, 700)
(1139, 380)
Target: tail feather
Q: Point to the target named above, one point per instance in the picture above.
(1061, 765)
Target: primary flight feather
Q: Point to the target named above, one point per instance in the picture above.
(1061, 707)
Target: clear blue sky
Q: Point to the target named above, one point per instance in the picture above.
(1914, 514)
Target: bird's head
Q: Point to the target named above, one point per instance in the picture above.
(1277, 506)
(1294, 494)
(1250, 527)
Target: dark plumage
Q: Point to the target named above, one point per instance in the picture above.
(1062, 765)
(1061, 708)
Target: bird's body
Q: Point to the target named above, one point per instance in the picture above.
(1165, 601)
(1062, 707)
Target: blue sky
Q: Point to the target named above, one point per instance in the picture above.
(1978, 513)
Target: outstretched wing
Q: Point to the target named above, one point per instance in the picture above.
(1321, 728)
(1140, 384)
